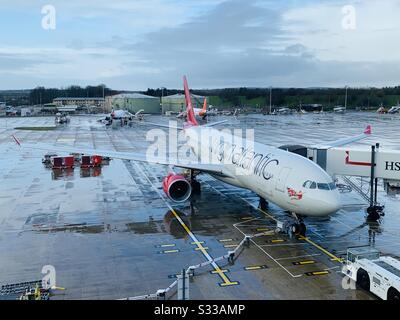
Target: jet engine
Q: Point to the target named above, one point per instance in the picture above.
(177, 187)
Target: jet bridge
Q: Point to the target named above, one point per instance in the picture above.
(374, 163)
(347, 161)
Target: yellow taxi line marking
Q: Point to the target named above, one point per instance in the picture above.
(317, 273)
(232, 283)
(205, 248)
(302, 263)
(169, 251)
(217, 269)
(227, 281)
(167, 245)
(246, 218)
(262, 229)
(277, 240)
(222, 270)
(197, 242)
(251, 268)
(307, 262)
(332, 256)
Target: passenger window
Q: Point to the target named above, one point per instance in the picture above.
(313, 185)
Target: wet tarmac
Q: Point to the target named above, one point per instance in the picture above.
(111, 233)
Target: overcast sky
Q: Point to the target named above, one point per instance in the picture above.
(136, 44)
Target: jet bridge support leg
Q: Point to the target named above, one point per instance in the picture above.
(196, 187)
(374, 210)
(263, 204)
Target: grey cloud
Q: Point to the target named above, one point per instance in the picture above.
(238, 43)
(11, 63)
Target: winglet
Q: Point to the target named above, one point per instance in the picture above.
(189, 108)
(16, 140)
(368, 130)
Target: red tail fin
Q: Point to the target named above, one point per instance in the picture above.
(189, 108)
(368, 130)
(205, 105)
(16, 140)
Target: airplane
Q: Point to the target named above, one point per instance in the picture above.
(339, 109)
(293, 182)
(203, 112)
(122, 115)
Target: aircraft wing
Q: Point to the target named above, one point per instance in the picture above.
(215, 169)
(342, 142)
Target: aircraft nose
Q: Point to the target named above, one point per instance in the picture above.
(331, 204)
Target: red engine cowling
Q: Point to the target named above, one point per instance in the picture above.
(177, 188)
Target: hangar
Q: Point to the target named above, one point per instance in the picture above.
(133, 102)
(176, 103)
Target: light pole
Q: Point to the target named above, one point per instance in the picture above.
(104, 98)
(270, 100)
(162, 96)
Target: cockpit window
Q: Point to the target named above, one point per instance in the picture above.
(307, 184)
(323, 186)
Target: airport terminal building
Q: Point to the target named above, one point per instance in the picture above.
(133, 102)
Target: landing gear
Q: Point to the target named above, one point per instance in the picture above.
(298, 228)
(196, 186)
(263, 204)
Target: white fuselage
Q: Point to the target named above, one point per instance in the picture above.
(197, 112)
(291, 181)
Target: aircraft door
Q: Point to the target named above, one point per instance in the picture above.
(281, 181)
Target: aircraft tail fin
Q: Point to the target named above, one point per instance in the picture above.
(16, 140)
(204, 105)
(191, 119)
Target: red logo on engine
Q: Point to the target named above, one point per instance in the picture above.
(294, 195)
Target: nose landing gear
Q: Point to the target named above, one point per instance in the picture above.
(298, 228)
(263, 204)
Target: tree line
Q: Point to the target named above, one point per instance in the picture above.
(241, 97)
(41, 95)
(294, 97)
